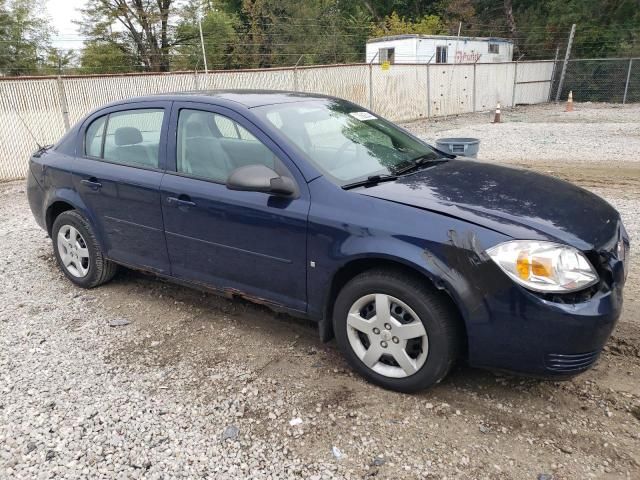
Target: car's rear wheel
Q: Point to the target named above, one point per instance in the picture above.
(78, 252)
(395, 330)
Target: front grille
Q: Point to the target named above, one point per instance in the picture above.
(570, 363)
(572, 297)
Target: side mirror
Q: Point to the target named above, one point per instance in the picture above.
(260, 178)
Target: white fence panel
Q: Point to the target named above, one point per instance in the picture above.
(451, 89)
(35, 103)
(401, 92)
(276, 79)
(533, 82)
(494, 83)
(350, 82)
(85, 94)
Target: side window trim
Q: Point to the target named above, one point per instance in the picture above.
(104, 136)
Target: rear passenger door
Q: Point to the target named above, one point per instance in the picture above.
(120, 159)
(250, 242)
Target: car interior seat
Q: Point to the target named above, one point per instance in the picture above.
(201, 152)
(129, 148)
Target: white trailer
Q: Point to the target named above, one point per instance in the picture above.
(414, 48)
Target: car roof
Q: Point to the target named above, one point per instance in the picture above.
(246, 98)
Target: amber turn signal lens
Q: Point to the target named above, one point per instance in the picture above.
(526, 266)
(523, 266)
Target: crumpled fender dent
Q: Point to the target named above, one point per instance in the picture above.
(461, 262)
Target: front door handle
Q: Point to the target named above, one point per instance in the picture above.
(181, 201)
(92, 183)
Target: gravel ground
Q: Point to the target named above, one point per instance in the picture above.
(546, 133)
(186, 384)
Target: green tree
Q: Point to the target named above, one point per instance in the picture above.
(25, 35)
(603, 27)
(58, 61)
(140, 28)
(5, 25)
(394, 24)
(219, 34)
(286, 32)
(106, 57)
(457, 13)
(412, 9)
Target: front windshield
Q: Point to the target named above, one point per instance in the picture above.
(346, 143)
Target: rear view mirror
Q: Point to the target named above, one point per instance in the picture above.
(259, 178)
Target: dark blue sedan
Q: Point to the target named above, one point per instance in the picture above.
(411, 258)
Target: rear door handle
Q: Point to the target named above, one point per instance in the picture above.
(181, 201)
(92, 183)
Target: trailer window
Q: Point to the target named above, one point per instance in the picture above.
(387, 55)
(494, 48)
(441, 54)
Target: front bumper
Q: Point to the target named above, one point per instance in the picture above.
(527, 333)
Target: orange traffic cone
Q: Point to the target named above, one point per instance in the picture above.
(570, 102)
(496, 118)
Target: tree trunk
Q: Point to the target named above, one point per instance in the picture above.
(372, 11)
(511, 24)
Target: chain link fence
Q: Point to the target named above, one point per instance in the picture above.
(615, 80)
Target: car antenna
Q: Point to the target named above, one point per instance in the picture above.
(31, 134)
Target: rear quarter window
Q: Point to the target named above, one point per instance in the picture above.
(93, 138)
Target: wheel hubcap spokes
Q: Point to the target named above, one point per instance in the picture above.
(73, 251)
(387, 335)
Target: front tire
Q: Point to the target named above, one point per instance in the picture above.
(78, 252)
(395, 330)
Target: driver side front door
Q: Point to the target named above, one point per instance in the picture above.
(249, 243)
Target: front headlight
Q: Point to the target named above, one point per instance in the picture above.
(544, 266)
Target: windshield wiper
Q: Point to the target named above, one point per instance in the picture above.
(370, 181)
(419, 162)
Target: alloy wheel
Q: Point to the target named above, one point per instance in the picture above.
(73, 251)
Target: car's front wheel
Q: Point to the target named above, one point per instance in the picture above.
(396, 331)
(78, 252)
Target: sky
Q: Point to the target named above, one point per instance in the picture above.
(62, 14)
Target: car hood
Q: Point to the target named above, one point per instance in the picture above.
(519, 203)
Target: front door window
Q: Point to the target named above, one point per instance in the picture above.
(211, 146)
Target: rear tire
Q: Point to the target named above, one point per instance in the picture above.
(78, 252)
(411, 347)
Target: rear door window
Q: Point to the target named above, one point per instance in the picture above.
(133, 137)
(129, 137)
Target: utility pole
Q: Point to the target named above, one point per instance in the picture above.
(204, 53)
(371, 80)
(553, 73)
(295, 74)
(626, 85)
(566, 60)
